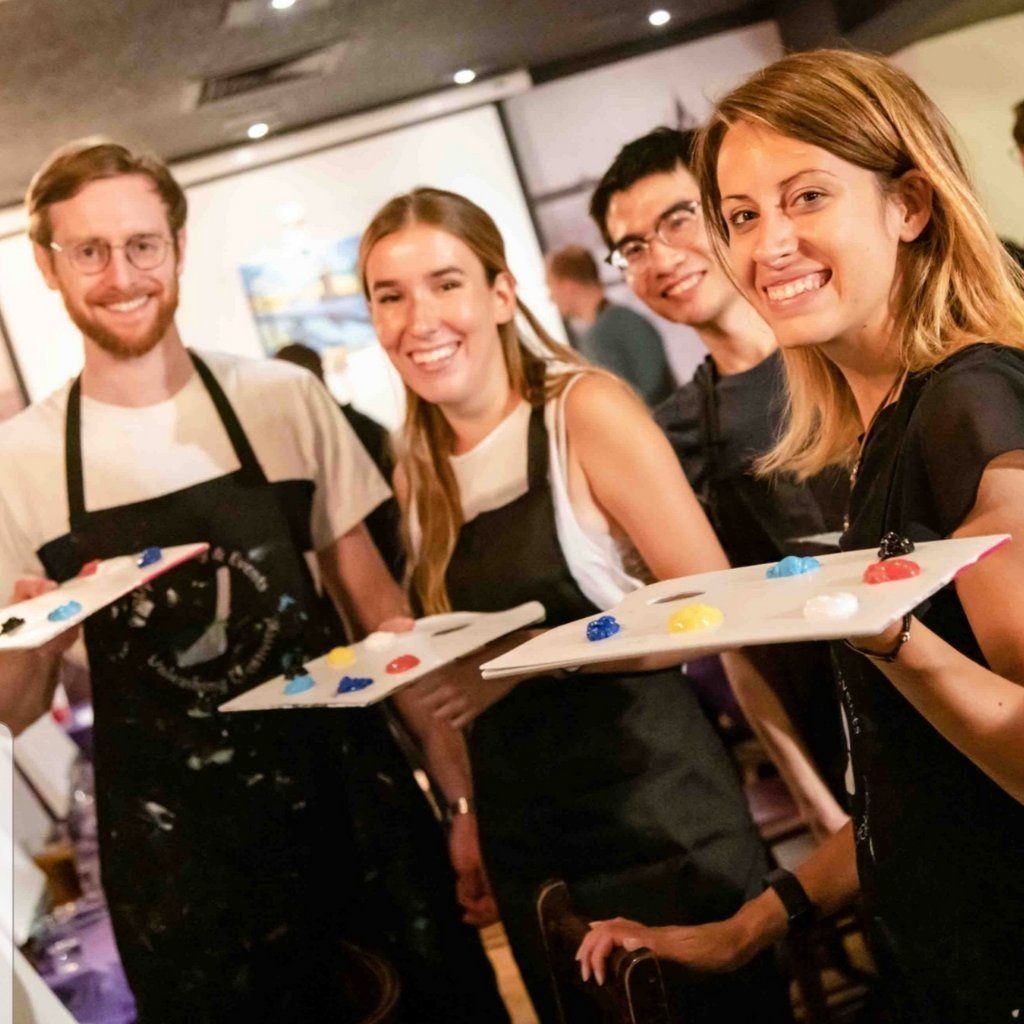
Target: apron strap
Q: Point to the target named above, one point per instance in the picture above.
(537, 450)
(250, 468)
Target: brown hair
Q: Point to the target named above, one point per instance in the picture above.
(426, 439)
(75, 165)
(955, 284)
(1018, 124)
(574, 263)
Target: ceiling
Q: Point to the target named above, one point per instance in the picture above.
(129, 68)
(132, 69)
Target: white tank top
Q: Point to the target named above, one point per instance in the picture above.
(494, 473)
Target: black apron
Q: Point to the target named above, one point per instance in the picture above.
(616, 784)
(232, 847)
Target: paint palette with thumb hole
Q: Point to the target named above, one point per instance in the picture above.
(32, 623)
(366, 672)
(846, 595)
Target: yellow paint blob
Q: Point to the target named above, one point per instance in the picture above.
(692, 617)
(341, 657)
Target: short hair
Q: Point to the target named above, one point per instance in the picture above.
(574, 263)
(1018, 124)
(302, 355)
(68, 170)
(658, 152)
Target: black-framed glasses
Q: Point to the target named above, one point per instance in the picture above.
(144, 252)
(677, 227)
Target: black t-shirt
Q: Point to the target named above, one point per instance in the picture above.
(940, 846)
(718, 426)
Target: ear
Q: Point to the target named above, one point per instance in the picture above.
(916, 197)
(181, 238)
(503, 293)
(44, 261)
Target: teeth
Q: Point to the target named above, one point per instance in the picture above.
(434, 355)
(129, 306)
(810, 283)
(688, 282)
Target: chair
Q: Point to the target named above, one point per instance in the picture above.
(633, 992)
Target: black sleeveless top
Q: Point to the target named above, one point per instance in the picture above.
(940, 846)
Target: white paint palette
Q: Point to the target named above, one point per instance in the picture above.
(109, 579)
(755, 610)
(435, 641)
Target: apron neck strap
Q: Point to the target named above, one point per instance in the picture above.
(537, 449)
(249, 465)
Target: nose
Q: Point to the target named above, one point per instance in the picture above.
(776, 240)
(665, 258)
(119, 272)
(424, 318)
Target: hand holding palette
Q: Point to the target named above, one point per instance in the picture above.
(32, 623)
(384, 662)
(851, 594)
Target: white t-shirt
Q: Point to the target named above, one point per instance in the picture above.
(494, 473)
(131, 454)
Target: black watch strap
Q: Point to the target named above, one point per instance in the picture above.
(799, 908)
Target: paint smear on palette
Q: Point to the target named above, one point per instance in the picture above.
(602, 628)
(64, 612)
(341, 657)
(403, 663)
(299, 684)
(89, 569)
(149, 556)
(693, 617)
(351, 684)
(890, 570)
(11, 625)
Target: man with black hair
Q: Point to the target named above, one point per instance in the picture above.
(647, 207)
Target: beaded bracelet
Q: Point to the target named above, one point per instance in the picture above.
(888, 656)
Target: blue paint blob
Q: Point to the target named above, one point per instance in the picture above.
(350, 684)
(299, 684)
(149, 556)
(792, 565)
(65, 611)
(285, 601)
(602, 628)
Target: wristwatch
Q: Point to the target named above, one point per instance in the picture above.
(800, 911)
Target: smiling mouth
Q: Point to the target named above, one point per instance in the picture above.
(129, 305)
(789, 290)
(434, 359)
(683, 285)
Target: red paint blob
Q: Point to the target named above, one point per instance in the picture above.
(403, 663)
(891, 569)
(89, 569)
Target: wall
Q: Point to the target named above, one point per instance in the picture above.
(975, 76)
(325, 194)
(568, 131)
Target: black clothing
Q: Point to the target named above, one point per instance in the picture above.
(234, 848)
(616, 784)
(383, 522)
(939, 844)
(718, 425)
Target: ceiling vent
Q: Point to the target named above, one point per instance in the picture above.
(304, 67)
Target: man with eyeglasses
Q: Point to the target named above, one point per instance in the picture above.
(236, 850)
(647, 208)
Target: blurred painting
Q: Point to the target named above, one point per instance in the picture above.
(307, 290)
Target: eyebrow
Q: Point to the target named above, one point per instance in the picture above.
(682, 204)
(788, 181)
(443, 272)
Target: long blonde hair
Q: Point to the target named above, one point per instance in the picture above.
(955, 284)
(426, 440)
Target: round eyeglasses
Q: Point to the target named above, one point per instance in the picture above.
(677, 227)
(144, 252)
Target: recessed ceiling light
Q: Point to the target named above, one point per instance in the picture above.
(282, 5)
(659, 18)
(258, 130)
(464, 77)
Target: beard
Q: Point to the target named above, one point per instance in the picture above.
(123, 348)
